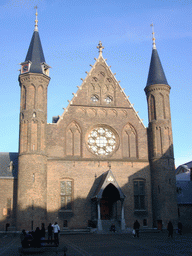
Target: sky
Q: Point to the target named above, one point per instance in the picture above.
(70, 31)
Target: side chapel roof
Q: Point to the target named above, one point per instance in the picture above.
(8, 165)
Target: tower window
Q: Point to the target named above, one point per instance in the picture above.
(152, 108)
(139, 194)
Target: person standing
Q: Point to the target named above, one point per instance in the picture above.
(56, 230)
(170, 229)
(42, 233)
(50, 232)
(136, 227)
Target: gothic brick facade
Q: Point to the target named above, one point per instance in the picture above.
(97, 161)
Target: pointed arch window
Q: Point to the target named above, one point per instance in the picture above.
(129, 142)
(23, 97)
(31, 96)
(152, 109)
(40, 93)
(139, 194)
(66, 193)
(73, 140)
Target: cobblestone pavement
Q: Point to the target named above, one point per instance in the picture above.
(151, 244)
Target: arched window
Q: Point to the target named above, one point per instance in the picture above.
(66, 194)
(40, 94)
(73, 140)
(31, 96)
(152, 110)
(139, 194)
(129, 142)
(23, 97)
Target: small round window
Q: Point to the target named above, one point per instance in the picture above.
(102, 141)
(95, 98)
(108, 99)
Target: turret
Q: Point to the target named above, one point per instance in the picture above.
(34, 80)
(160, 143)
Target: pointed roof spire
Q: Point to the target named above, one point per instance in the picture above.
(35, 52)
(156, 74)
(100, 47)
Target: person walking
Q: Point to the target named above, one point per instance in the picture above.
(136, 227)
(170, 229)
(56, 230)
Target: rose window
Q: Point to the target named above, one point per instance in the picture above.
(102, 141)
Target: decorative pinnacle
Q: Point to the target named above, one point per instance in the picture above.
(36, 20)
(153, 36)
(100, 47)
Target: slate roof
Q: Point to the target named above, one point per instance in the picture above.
(8, 165)
(184, 196)
(156, 74)
(35, 54)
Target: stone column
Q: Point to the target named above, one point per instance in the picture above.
(99, 223)
(122, 215)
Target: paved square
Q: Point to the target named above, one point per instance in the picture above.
(111, 244)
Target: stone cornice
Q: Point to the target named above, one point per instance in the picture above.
(157, 87)
(30, 77)
(71, 159)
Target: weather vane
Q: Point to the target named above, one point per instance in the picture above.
(36, 20)
(153, 36)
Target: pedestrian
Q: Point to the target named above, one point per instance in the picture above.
(136, 227)
(37, 237)
(42, 233)
(56, 230)
(180, 227)
(170, 229)
(50, 232)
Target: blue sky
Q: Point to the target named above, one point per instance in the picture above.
(70, 30)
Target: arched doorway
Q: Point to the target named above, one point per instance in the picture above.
(108, 202)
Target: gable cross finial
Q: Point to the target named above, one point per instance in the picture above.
(153, 36)
(100, 47)
(36, 20)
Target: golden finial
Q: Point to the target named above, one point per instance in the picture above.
(36, 20)
(100, 47)
(153, 36)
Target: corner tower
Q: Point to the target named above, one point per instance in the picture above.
(164, 201)
(32, 175)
